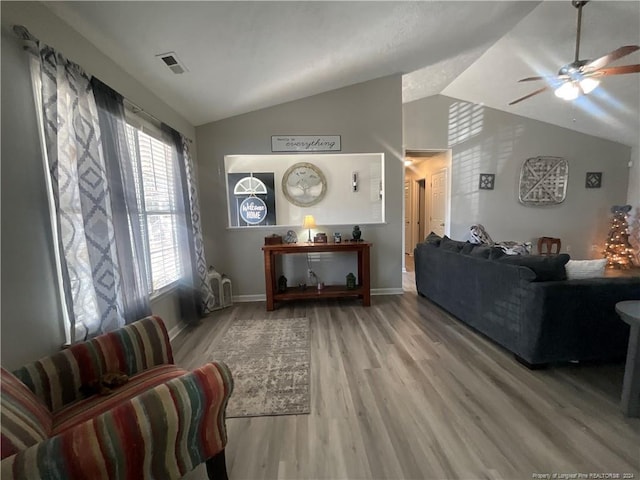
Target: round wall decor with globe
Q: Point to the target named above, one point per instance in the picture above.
(303, 184)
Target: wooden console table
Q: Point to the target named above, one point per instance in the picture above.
(363, 287)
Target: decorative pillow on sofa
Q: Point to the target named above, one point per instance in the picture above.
(546, 267)
(433, 239)
(515, 248)
(578, 269)
(451, 245)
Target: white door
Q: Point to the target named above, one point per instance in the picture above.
(438, 202)
(408, 231)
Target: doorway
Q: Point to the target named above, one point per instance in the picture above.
(438, 203)
(427, 197)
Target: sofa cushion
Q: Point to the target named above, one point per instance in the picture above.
(451, 245)
(24, 418)
(546, 267)
(95, 405)
(580, 269)
(495, 253)
(433, 239)
(481, 251)
(467, 248)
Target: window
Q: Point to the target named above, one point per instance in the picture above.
(153, 166)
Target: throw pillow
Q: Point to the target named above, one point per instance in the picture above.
(577, 269)
(515, 248)
(451, 245)
(479, 235)
(433, 239)
(546, 267)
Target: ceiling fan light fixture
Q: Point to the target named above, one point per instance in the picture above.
(568, 91)
(588, 85)
(577, 78)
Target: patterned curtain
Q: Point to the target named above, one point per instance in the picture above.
(196, 297)
(127, 218)
(85, 230)
(207, 298)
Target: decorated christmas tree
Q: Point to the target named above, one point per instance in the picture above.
(618, 251)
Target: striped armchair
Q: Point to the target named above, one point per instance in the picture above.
(161, 424)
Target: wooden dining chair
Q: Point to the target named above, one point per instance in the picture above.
(546, 246)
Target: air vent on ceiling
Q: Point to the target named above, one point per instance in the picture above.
(170, 59)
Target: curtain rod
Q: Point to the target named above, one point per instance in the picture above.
(139, 110)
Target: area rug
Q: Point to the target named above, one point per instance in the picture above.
(269, 361)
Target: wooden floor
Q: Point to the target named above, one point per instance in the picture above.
(402, 390)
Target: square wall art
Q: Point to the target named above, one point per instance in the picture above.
(487, 181)
(593, 180)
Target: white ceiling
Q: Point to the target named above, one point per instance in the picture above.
(243, 56)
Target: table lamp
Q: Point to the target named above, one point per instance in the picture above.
(309, 222)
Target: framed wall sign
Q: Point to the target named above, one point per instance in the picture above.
(252, 200)
(305, 143)
(543, 181)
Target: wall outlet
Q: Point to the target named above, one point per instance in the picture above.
(568, 248)
(595, 248)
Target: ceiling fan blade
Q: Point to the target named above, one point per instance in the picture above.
(540, 90)
(548, 78)
(621, 70)
(605, 60)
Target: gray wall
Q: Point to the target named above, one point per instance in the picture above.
(498, 142)
(31, 311)
(369, 118)
(31, 323)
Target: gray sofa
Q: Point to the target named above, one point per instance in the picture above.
(532, 311)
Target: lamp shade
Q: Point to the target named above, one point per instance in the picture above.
(309, 222)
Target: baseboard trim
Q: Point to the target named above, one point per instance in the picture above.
(250, 298)
(387, 291)
(175, 331)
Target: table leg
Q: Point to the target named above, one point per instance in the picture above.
(269, 279)
(364, 275)
(631, 385)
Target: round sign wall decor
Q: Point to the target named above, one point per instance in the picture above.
(253, 210)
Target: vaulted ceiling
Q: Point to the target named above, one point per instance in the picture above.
(243, 56)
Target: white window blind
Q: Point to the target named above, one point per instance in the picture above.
(156, 193)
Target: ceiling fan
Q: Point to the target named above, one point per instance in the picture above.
(582, 76)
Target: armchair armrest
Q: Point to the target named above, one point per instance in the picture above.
(57, 379)
(163, 433)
